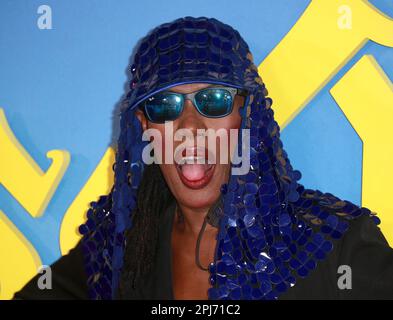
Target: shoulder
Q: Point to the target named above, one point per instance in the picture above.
(66, 280)
(359, 254)
(367, 258)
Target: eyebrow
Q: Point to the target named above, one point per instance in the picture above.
(210, 85)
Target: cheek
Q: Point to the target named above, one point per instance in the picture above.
(231, 124)
(236, 120)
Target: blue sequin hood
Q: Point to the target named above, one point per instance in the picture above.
(274, 230)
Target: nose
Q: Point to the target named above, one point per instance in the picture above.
(190, 118)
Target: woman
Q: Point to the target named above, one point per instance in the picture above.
(184, 230)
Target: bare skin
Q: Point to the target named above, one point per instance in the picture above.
(189, 281)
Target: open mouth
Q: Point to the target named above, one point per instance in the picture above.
(193, 167)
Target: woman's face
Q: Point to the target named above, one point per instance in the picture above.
(196, 185)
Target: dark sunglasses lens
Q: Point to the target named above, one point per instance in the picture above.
(163, 107)
(214, 102)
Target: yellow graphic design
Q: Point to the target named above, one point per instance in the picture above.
(317, 47)
(99, 183)
(365, 94)
(22, 177)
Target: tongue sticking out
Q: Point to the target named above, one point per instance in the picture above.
(194, 172)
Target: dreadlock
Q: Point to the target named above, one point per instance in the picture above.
(153, 198)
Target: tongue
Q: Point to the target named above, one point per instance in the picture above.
(194, 172)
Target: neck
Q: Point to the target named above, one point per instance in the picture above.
(190, 220)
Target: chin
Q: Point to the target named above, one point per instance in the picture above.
(198, 198)
(199, 194)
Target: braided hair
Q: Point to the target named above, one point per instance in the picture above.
(153, 198)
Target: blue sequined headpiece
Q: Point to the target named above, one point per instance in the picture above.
(273, 229)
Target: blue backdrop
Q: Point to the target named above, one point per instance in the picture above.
(59, 89)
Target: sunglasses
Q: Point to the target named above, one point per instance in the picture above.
(211, 102)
